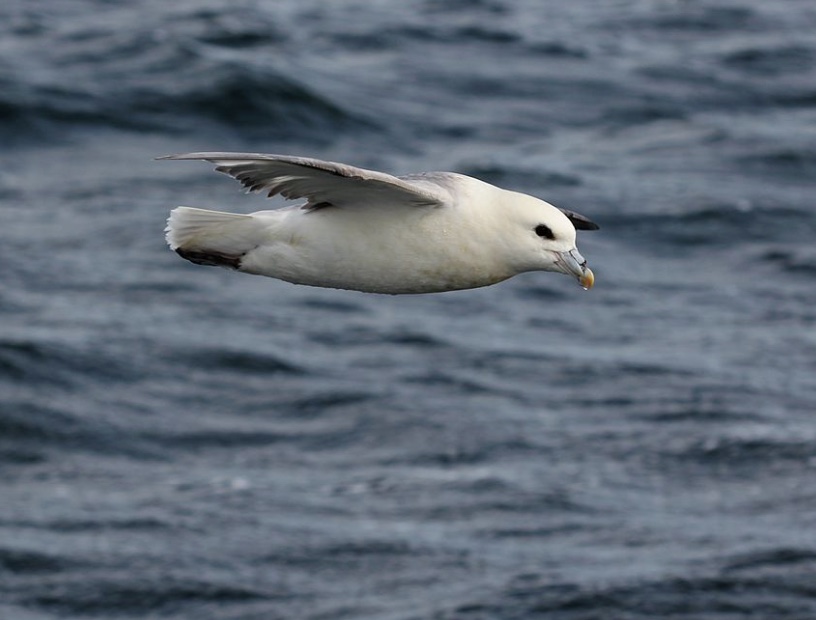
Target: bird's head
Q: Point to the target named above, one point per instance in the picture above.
(546, 238)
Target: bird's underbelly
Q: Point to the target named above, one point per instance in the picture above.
(394, 265)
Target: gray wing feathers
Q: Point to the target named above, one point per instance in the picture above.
(322, 183)
(581, 222)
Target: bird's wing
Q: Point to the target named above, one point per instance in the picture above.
(581, 222)
(322, 183)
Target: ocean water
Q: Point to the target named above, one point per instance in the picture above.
(183, 442)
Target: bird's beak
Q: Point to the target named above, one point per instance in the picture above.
(573, 264)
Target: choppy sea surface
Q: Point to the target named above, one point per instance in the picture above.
(183, 442)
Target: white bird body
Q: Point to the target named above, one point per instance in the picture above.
(368, 231)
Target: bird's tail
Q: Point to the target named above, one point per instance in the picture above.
(211, 237)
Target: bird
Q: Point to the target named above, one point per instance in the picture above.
(369, 231)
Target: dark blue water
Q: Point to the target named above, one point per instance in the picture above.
(182, 442)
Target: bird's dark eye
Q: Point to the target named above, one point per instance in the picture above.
(542, 230)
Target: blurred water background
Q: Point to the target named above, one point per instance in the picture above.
(181, 442)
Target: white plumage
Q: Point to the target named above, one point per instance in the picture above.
(369, 231)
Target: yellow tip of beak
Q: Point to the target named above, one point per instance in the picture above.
(588, 279)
